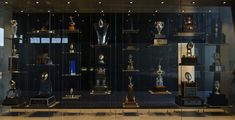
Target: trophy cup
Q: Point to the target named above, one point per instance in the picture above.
(14, 28)
(13, 95)
(130, 100)
(71, 48)
(71, 24)
(216, 66)
(101, 29)
(188, 24)
(44, 96)
(101, 59)
(189, 59)
(159, 38)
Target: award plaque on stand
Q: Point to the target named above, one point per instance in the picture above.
(130, 101)
(13, 95)
(188, 97)
(216, 98)
(189, 58)
(159, 38)
(101, 29)
(44, 98)
(159, 88)
(100, 87)
(130, 66)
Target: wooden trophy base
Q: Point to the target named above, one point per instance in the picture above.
(162, 90)
(130, 104)
(159, 42)
(185, 60)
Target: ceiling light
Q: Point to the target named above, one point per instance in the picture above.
(156, 11)
(102, 11)
(100, 2)
(75, 11)
(49, 11)
(193, 2)
(183, 11)
(209, 11)
(224, 2)
(6, 2)
(129, 11)
(37, 2)
(153, 14)
(102, 14)
(128, 14)
(131, 2)
(21, 11)
(68, 2)
(162, 2)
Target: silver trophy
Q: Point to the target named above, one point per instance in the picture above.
(14, 28)
(217, 87)
(159, 25)
(159, 79)
(101, 29)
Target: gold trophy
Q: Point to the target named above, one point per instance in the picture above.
(189, 59)
(71, 48)
(72, 24)
(130, 100)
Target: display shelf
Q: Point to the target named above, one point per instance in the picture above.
(130, 31)
(68, 53)
(42, 65)
(135, 49)
(189, 34)
(13, 39)
(160, 93)
(71, 97)
(131, 70)
(100, 46)
(69, 75)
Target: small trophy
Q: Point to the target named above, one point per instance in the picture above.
(189, 59)
(14, 28)
(130, 65)
(101, 59)
(71, 48)
(130, 100)
(159, 38)
(216, 66)
(101, 29)
(14, 51)
(216, 87)
(188, 24)
(71, 24)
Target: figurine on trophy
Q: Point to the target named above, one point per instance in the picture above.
(72, 24)
(14, 28)
(130, 100)
(101, 29)
(159, 38)
(189, 59)
(101, 59)
(13, 95)
(159, 79)
(216, 66)
(44, 96)
(71, 48)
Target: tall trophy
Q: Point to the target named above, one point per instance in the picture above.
(101, 29)
(159, 38)
(216, 66)
(14, 28)
(44, 96)
(13, 95)
(189, 58)
(72, 24)
(130, 100)
(159, 87)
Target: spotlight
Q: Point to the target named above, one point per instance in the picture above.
(156, 11)
(21, 11)
(48, 11)
(209, 11)
(224, 2)
(37, 2)
(193, 2)
(102, 11)
(131, 2)
(75, 11)
(129, 11)
(69, 2)
(6, 2)
(162, 2)
(100, 2)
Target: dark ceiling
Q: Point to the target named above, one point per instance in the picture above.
(92, 6)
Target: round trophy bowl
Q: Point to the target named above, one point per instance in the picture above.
(159, 25)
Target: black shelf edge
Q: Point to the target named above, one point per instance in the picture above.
(69, 75)
(42, 65)
(189, 34)
(130, 31)
(100, 46)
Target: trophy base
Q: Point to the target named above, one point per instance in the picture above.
(100, 92)
(130, 48)
(188, 61)
(130, 104)
(157, 36)
(159, 90)
(42, 101)
(216, 68)
(217, 100)
(12, 101)
(159, 42)
(134, 70)
(72, 28)
(71, 97)
(189, 101)
(188, 89)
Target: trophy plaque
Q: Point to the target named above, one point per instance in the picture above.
(13, 95)
(159, 87)
(216, 98)
(101, 29)
(130, 101)
(71, 95)
(216, 66)
(159, 38)
(130, 65)
(71, 24)
(189, 59)
(45, 96)
(14, 28)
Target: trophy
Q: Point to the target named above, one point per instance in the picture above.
(101, 59)
(71, 24)
(101, 29)
(217, 87)
(188, 77)
(159, 38)
(130, 100)
(188, 24)
(45, 85)
(14, 51)
(72, 65)
(71, 48)
(14, 28)
(159, 79)
(130, 65)
(189, 59)
(216, 66)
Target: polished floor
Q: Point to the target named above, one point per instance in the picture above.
(116, 114)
